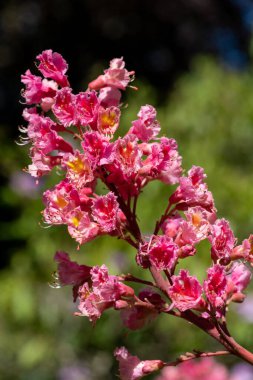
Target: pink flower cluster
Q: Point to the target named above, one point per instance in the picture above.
(125, 165)
(57, 121)
(204, 369)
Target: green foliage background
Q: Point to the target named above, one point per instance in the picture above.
(210, 113)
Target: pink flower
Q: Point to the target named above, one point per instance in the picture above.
(109, 96)
(216, 286)
(187, 233)
(248, 249)
(186, 239)
(116, 76)
(28, 113)
(69, 272)
(95, 147)
(146, 127)
(41, 163)
(222, 240)
(105, 292)
(38, 125)
(238, 279)
(42, 132)
(170, 226)
(104, 211)
(37, 89)
(91, 305)
(53, 66)
(186, 291)
(64, 107)
(59, 202)
(192, 191)
(244, 251)
(87, 108)
(197, 175)
(163, 252)
(50, 141)
(131, 368)
(108, 120)
(126, 156)
(80, 226)
(78, 166)
(163, 162)
(122, 159)
(201, 220)
(107, 286)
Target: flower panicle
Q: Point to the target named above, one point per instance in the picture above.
(74, 134)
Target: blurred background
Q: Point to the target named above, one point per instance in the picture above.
(193, 61)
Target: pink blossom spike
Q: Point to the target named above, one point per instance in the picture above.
(186, 291)
(53, 66)
(131, 368)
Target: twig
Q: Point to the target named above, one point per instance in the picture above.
(193, 355)
(131, 278)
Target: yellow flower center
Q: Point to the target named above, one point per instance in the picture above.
(60, 201)
(196, 219)
(108, 119)
(75, 221)
(77, 165)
